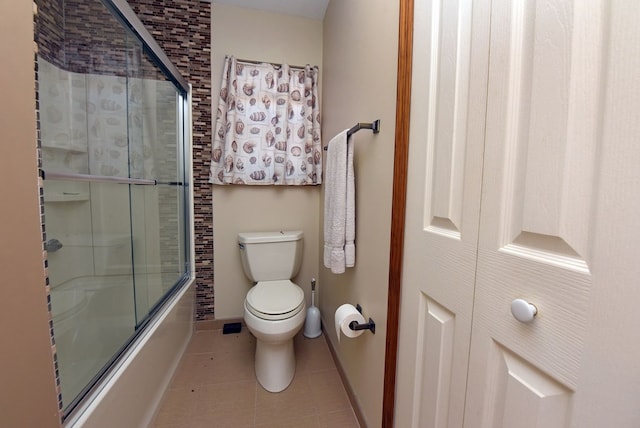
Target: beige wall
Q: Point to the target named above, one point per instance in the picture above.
(359, 85)
(356, 47)
(256, 35)
(27, 391)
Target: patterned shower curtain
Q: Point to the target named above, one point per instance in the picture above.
(267, 126)
(103, 124)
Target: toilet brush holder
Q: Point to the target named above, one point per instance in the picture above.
(312, 327)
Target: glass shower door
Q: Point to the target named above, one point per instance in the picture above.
(90, 277)
(113, 143)
(157, 212)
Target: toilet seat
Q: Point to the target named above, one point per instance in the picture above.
(275, 300)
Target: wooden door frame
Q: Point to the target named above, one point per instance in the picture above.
(403, 109)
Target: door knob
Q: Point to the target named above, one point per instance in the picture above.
(523, 311)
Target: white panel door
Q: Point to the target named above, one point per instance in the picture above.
(537, 102)
(558, 189)
(445, 168)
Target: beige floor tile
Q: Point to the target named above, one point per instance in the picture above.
(284, 407)
(296, 422)
(205, 369)
(327, 391)
(312, 355)
(185, 424)
(215, 386)
(209, 405)
(230, 404)
(202, 342)
(197, 420)
(214, 342)
(238, 342)
(224, 404)
(340, 419)
(177, 407)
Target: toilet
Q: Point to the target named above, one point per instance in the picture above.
(274, 309)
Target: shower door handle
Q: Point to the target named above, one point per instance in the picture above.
(52, 245)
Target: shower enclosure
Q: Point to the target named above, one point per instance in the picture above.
(114, 147)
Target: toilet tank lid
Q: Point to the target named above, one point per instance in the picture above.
(263, 237)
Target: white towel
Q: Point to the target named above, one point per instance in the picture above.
(350, 228)
(339, 205)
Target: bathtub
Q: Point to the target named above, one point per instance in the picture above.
(132, 391)
(93, 318)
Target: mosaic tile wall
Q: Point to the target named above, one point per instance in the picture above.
(49, 31)
(183, 29)
(47, 24)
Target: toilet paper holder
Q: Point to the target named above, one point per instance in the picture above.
(355, 325)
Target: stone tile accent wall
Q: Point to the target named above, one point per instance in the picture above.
(183, 29)
(94, 40)
(49, 31)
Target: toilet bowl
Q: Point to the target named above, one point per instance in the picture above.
(274, 308)
(274, 329)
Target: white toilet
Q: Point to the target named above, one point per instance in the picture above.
(274, 309)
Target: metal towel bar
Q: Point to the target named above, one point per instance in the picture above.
(374, 126)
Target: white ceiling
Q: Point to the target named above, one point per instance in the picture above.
(313, 9)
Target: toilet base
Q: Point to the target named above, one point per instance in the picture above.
(275, 365)
(275, 359)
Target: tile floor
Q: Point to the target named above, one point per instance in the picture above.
(215, 386)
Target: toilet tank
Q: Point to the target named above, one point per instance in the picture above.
(270, 256)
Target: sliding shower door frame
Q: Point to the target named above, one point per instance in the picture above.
(126, 15)
(184, 197)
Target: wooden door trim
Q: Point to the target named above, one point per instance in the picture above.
(403, 108)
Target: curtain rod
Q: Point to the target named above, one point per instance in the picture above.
(277, 66)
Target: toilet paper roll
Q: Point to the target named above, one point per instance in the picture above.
(346, 314)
